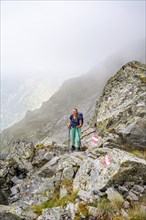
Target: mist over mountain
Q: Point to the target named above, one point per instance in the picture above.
(19, 95)
(50, 120)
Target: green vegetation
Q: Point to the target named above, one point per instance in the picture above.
(139, 153)
(106, 210)
(77, 217)
(136, 214)
(112, 210)
(117, 203)
(136, 152)
(56, 200)
(67, 183)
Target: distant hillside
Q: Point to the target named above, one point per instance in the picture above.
(18, 95)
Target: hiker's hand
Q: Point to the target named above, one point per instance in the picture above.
(69, 125)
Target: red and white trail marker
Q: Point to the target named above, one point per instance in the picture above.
(107, 160)
(95, 139)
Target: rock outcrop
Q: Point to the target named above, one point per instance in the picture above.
(121, 108)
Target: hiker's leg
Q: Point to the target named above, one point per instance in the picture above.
(73, 130)
(78, 140)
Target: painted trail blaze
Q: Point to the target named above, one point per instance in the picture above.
(95, 139)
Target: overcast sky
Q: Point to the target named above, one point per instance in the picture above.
(65, 38)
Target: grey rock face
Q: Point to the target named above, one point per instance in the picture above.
(115, 166)
(121, 108)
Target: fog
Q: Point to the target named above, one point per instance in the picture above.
(43, 43)
(63, 39)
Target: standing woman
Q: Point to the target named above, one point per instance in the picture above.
(75, 123)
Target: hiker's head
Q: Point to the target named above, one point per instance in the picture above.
(75, 111)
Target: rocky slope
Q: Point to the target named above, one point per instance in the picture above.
(49, 182)
(121, 108)
(45, 181)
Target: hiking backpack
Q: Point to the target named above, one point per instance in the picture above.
(81, 115)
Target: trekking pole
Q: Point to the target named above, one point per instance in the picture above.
(69, 137)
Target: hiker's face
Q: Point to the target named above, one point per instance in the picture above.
(74, 112)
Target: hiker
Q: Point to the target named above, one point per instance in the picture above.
(75, 124)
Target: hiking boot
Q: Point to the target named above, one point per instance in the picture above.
(78, 149)
(72, 148)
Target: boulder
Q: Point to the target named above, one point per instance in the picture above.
(113, 167)
(132, 196)
(87, 196)
(113, 195)
(22, 153)
(138, 188)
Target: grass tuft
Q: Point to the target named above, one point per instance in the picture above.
(106, 210)
(136, 214)
(117, 203)
(82, 208)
